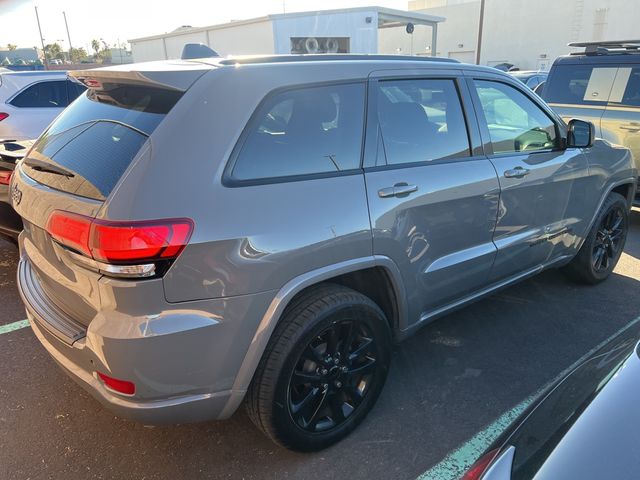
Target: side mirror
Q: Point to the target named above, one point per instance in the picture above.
(581, 134)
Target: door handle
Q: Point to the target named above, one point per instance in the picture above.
(517, 172)
(401, 189)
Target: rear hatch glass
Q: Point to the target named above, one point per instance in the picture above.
(91, 144)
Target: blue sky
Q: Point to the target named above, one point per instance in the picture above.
(119, 20)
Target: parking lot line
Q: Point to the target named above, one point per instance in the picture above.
(456, 463)
(11, 327)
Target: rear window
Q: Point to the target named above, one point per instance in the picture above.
(579, 84)
(91, 144)
(47, 94)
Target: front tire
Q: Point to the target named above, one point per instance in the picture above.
(323, 369)
(603, 246)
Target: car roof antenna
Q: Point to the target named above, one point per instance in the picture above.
(197, 50)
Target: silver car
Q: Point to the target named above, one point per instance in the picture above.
(207, 232)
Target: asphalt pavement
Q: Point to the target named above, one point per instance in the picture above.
(447, 383)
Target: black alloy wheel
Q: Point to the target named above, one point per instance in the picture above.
(608, 241)
(332, 376)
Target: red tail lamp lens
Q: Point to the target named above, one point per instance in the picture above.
(3, 115)
(120, 386)
(121, 242)
(478, 469)
(5, 178)
(70, 230)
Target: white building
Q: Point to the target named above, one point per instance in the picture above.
(120, 55)
(529, 34)
(349, 30)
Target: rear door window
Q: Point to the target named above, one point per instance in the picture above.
(47, 94)
(421, 121)
(91, 144)
(580, 85)
(304, 131)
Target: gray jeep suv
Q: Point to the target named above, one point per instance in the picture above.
(199, 233)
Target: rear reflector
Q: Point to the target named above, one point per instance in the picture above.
(478, 469)
(120, 386)
(3, 115)
(120, 242)
(5, 178)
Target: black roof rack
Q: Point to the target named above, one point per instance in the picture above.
(329, 57)
(610, 47)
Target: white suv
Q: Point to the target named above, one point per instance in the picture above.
(29, 101)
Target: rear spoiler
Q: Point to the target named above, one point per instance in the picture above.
(178, 80)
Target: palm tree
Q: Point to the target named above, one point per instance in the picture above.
(95, 44)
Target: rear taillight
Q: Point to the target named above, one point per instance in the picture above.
(121, 386)
(3, 115)
(479, 468)
(121, 243)
(5, 178)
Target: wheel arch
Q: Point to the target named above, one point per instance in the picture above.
(351, 273)
(624, 187)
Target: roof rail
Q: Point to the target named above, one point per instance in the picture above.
(330, 57)
(607, 47)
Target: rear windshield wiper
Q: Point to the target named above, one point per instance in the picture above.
(45, 167)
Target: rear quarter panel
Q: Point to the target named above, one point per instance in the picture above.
(252, 238)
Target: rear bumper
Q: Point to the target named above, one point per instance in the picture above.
(182, 409)
(183, 362)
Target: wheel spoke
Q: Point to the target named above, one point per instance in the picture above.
(616, 224)
(365, 369)
(305, 402)
(337, 413)
(314, 417)
(362, 349)
(332, 341)
(354, 396)
(302, 378)
(351, 332)
(597, 257)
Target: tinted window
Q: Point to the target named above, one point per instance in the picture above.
(43, 94)
(74, 89)
(515, 122)
(95, 139)
(579, 85)
(421, 120)
(304, 131)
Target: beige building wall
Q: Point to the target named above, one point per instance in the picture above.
(237, 38)
(526, 33)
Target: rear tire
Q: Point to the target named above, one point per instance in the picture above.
(323, 369)
(603, 246)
